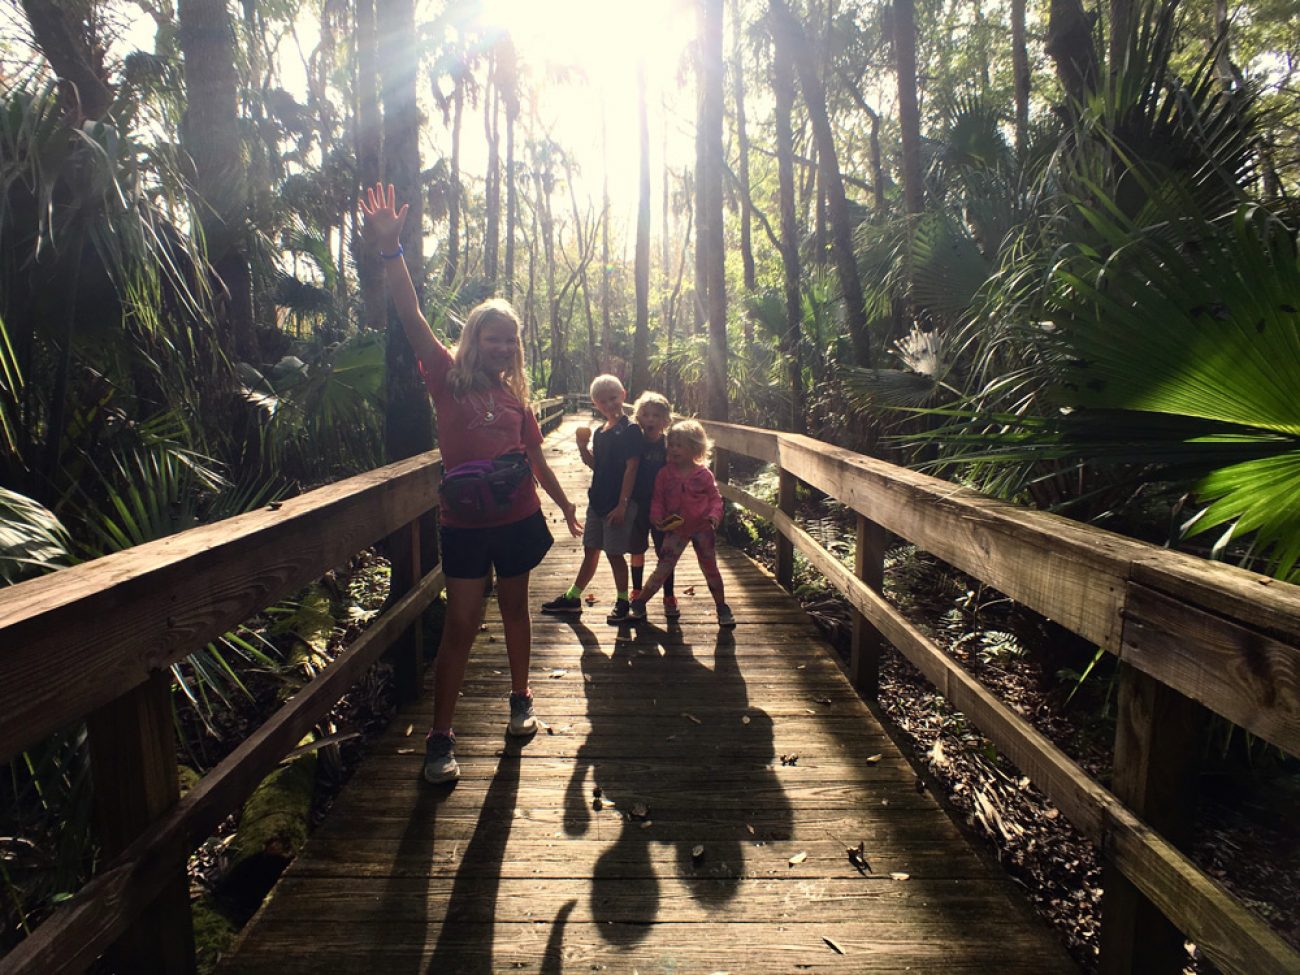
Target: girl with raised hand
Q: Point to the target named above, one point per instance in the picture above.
(491, 450)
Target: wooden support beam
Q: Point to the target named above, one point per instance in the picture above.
(407, 651)
(869, 566)
(786, 492)
(1156, 741)
(135, 781)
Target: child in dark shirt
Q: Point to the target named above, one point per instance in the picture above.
(653, 414)
(614, 457)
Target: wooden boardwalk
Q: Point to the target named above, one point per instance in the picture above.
(733, 769)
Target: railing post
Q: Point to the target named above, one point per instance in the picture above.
(1156, 737)
(135, 781)
(785, 494)
(869, 566)
(406, 653)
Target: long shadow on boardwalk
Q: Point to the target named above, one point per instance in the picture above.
(654, 663)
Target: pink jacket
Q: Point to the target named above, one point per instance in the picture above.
(693, 495)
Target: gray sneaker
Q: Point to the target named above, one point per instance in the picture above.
(439, 759)
(523, 720)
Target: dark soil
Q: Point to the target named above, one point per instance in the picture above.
(1246, 832)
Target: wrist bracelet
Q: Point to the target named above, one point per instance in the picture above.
(397, 253)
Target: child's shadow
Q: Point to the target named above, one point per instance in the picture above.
(700, 745)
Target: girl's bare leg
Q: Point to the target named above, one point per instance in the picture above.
(512, 597)
(464, 614)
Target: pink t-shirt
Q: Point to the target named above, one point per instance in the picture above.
(693, 495)
(482, 425)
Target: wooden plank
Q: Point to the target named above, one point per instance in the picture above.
(71, 939)
(1237, 670)
(78, 638)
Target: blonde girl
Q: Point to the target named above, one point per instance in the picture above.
(484, 425)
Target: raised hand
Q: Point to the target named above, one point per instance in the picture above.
(382, 222)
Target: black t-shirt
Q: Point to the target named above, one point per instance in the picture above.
(654, 455)
(611, 450)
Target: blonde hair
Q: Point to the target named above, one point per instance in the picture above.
(690, 434)
(652, 400)
(468, 374)
(603, 383)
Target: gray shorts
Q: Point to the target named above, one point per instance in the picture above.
(610, 539)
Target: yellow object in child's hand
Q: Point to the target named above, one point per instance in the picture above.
(669, 523)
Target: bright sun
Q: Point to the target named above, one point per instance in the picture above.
(583, 55)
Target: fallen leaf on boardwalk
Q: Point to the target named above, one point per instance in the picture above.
(899, 875)
(697, 853)
(689, 591)
(744, 719)
(823, 700)
(858, 857)
(647, 824)
(591, 599)
(809, 711)
(833, 945)
(789, 759)
(406, 751)
(798, 858)
(874, 759)
(750, 828)
(557, 674)
(802, 667)
(588, 678)
(691, 717)
(491, 639)
(409, 729)
(639, 810)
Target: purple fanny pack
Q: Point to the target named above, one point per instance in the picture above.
(480, 490)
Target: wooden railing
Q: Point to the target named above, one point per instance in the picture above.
(1189, 634)
(94, 642)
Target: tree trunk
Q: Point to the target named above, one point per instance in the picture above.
(783, 90)
(909, 118)
(210, 134)
(453, 204)
(492, 188)
(508, 85)
(789, 36)
(1069, 43)
(606, 328)
(369, 149)
(63, 33)
(742, 167)
(1020, 73)
(711, 237)
(640, 375)
(408, 422)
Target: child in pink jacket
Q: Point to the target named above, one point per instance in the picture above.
(687, 506)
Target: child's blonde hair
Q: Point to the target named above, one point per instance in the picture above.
(652, 400)
(690, 434)
(468, 374)
(605, 383)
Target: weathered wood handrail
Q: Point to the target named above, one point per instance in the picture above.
(1226, 638)
(94, 641)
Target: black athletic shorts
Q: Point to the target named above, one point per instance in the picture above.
(513, 549)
